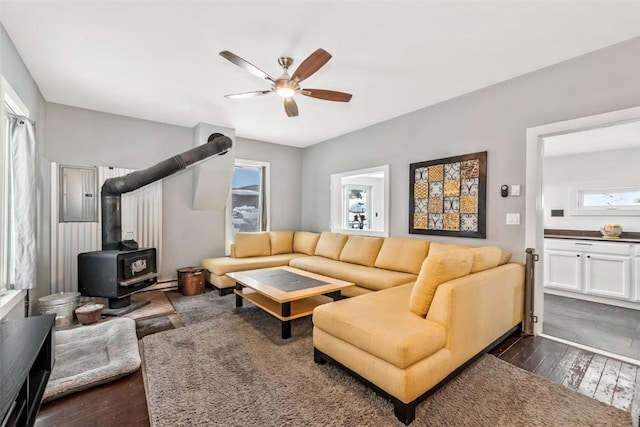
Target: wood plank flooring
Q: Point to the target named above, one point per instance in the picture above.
(123, 402)
(119, 403)
(605, 379)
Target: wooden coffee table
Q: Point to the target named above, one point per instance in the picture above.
(286, 293)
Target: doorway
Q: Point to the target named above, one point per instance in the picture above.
(573, 291)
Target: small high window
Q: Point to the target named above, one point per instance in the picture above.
(624, 201)
(607, 201)
(624, 198)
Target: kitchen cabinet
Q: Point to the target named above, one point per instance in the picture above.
(563, 270)
(592, 269)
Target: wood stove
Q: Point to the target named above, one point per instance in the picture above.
(120, 268)
(116, 275)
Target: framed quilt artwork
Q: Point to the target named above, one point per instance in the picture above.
(447, 197)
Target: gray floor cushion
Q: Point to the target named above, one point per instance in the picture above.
(91, 355)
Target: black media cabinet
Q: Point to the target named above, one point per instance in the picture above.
(26, 361)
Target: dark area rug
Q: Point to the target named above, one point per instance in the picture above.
(236, 371)
(209, 305)
(203, 307)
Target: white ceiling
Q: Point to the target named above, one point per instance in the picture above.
(158, 60)
(614, 137)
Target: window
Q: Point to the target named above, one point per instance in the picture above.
(358, 209)
(608, 201)
(11, 105)
(248, 205)
(359, 202)
(623, 198)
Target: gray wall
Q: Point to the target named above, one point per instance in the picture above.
(18, 76)
(83, 137)
(494, 119)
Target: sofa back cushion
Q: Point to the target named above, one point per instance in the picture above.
(505, 257)
(281, 242)
(402, 254)
(304, 242)
(252, 244)
(437, 269)
(485, 257)
(361, 250)
(330, 245)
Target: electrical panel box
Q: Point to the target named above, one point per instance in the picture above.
(78, 194)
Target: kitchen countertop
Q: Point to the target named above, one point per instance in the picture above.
(600, 239)
(590, 235)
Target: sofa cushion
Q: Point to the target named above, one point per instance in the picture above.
(281, 242)
(223, 265)
(402, 254)
(251, 244)
(363, 276)
(330, 244)
(361, 250)
(485, 257)
(380, 324)
(436, 269)
(505, 257)
(304, 242)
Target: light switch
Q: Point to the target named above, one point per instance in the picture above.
(513, 219)
(515, 190)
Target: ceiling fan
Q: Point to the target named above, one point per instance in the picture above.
(287, 86)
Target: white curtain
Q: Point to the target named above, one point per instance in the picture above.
(23, 192)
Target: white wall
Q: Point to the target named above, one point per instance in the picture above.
(83, 137)
(492, 119)
(16, 73)
(605, 169)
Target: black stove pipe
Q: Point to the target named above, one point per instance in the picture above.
(113, 188)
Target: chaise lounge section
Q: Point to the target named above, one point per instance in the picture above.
(407, 341)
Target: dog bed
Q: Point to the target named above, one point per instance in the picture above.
(91, 355)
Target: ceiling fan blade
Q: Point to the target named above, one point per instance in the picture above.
(245, 65)
(328, 95)
(313, 63)
(291, 107)
(245, 95)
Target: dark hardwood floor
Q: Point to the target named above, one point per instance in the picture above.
(119, 403)
(123, 402)
(605, 379)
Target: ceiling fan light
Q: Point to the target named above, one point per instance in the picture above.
(285, 92)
